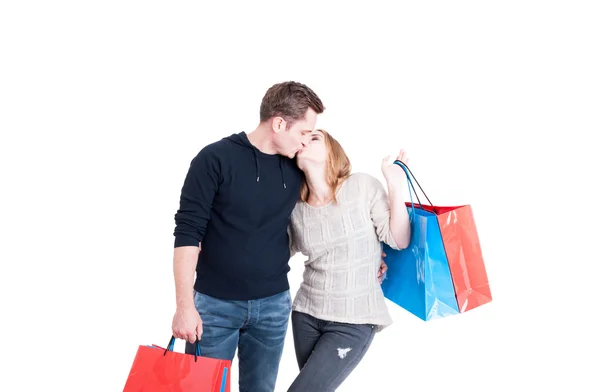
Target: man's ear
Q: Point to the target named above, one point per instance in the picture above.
(279, 124)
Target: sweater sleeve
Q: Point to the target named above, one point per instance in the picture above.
(293, 249)
(380, 211)
(197, 195)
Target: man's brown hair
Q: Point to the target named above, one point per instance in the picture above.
(289, 100)
(337, 167)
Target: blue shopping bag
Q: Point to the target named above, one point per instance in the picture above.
(418, 278)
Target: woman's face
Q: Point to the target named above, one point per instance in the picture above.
(314, 153)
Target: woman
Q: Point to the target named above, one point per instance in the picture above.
(339, 223)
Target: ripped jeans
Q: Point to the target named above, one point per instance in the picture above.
(327, 351)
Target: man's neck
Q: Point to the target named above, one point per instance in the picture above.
(261, 139)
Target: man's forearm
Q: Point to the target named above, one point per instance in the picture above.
(185, 259)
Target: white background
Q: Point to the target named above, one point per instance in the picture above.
(104, 104)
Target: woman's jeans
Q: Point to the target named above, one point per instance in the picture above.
(326, 351)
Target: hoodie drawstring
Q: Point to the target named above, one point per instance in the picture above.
(258, 168)
(241, 139)
(281, 168)
(257, 165)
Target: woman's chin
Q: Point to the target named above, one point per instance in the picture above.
(301, 162)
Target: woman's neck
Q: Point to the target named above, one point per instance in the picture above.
(319, 192)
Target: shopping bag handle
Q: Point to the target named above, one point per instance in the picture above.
(409, 174)
(171, 347)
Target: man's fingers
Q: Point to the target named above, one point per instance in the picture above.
(176, 333)
(191, 337)
(184, 334)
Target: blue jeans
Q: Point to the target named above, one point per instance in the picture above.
(327, 351)
(256, 328)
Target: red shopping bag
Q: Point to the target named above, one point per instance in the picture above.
(156, 369)
(462, 248)
(465, 258)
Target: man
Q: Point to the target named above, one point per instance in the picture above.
(231, 230)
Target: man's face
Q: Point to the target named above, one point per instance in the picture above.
(289, 142)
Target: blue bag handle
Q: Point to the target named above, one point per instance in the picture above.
(171, 347)
(411, 187)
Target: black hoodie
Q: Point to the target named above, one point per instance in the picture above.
(237, 201)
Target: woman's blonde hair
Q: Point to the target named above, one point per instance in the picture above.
(337, 169)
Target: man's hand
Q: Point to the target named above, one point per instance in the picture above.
(382, 269)
(187, 324)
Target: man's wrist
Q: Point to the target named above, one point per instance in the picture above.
(185, 303)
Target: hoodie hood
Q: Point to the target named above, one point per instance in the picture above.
(241, 139)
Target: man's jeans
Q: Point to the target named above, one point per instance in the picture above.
(257, 328)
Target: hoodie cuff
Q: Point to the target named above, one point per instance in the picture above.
(186, 240)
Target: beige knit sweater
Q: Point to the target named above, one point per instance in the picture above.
(343, 245)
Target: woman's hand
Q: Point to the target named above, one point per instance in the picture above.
(393, 173)
(382, 269)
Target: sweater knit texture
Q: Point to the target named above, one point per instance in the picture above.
(343, 244)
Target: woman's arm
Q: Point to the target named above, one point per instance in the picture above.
(293, 249)
(399, 220)
(396, 184)
(388, 211)
(389, 214)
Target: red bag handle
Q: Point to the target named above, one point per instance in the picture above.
(171, 346)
